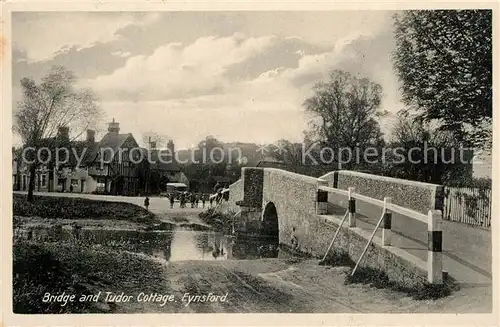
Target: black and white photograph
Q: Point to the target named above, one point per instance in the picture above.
(283, 161)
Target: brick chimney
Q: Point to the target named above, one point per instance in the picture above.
(63, 133)
(113, 127)
(90, 136)
(171, 146)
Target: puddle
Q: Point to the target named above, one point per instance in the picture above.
(179, 244)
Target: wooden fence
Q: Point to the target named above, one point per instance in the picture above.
(468, 205)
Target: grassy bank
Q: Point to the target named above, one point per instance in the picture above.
(78, 208)
(40, 268)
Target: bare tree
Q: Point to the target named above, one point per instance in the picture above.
(158, 140)
(49, 105)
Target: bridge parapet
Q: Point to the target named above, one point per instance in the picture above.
(417, 196)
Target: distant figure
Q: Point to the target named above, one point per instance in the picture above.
(172, 200)
(203, 199)
(197, 200)
(211, 201)
(71, 188)
(193, 200)
(294, 240)
(146, 203)
(184, 199)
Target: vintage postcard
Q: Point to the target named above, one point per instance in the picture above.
(274, 159)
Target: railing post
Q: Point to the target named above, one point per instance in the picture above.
(321, 202)
(435, 247)
(352, 207)
(386, 224)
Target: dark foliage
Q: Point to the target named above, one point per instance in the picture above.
(444, 61)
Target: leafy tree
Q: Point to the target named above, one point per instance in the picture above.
(48, 106)
(424, 153)
(210, 150)
(443, 59)
(288, 152)
(344, 110)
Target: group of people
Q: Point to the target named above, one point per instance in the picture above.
(194, 198)
(187, 197)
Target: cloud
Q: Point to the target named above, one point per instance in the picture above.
(177, 71)
(123, 54)
(62, 32)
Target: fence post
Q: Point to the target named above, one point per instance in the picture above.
(352, 207)
(435, 248)
(386, 224)
(321, 200)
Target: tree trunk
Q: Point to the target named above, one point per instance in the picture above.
(31, 185)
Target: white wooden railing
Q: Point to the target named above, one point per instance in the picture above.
(433, 219)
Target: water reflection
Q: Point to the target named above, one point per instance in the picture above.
(178, 245)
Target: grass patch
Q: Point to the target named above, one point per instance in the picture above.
(337, 258)
(40, 268)
(379, 279)
(78, 208)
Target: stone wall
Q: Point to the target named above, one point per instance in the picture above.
(418, 196)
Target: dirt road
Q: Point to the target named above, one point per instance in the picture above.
(280, 286)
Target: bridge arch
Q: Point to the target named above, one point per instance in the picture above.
(269, 221)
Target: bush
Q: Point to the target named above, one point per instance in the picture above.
(378, 278)
(76, 208)
(483, 183)
(218, 220)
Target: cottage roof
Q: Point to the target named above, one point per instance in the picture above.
(110, 141)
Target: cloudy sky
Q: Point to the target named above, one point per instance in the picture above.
(240, 76)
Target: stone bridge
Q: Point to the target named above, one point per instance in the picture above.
(401, 218)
